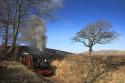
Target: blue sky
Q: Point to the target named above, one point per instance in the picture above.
(75, 14)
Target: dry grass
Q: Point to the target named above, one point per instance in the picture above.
(13, 72)
(108, 53)
(78, 68)
(116, 76)
(107, 67)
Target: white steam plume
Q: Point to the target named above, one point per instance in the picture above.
(34, 35)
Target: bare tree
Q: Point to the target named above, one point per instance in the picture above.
(98, 32)
(5, 20)
(14, 13)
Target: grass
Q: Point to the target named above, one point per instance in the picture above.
(14, 72)
(80, 68)
(104, 67)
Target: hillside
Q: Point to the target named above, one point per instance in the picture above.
(101, 67)
(108, 52)
(53, 54)
(80, 68)
(14, 72)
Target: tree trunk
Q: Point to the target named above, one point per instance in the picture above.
(90, 50)
(7, 31)
(6, 36)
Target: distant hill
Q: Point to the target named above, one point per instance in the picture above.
(108, 52)
(56, 54)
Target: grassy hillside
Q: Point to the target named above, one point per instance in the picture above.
(108, 53)
(99, 68)
(13, 72)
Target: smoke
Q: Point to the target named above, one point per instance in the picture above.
(39, 37)
(47, 7)
(34, 35)
(57, 3)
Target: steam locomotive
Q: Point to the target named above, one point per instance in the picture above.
(38, 63)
